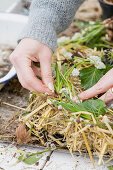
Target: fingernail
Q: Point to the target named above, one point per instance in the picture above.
(51, 87)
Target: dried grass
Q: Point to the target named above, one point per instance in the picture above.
(51, 126)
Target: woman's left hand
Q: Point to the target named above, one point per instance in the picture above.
(104, 85)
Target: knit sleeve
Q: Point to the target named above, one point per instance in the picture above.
(48, 18)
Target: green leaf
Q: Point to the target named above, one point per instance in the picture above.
(96, 107)
(68, 106)
(65, 81)
(32, 159)
(59, 84)
(71, 101)
(57, 77)
(86, 116)
(89, 77)
(110, 167)
(64, 68)
(21, 158)
(69, 71)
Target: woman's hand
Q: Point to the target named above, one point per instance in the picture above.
(104, 85)
(27, 51)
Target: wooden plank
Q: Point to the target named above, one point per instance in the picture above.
(8, 160)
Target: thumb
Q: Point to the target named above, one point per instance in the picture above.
(46, 73)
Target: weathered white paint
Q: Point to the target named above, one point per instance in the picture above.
(58, 160)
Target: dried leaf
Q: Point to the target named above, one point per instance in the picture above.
(22, 134)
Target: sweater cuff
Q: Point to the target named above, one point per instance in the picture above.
(42, 32)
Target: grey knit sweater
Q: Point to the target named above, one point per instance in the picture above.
(48, 18)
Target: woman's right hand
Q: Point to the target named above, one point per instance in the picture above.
(27, 51)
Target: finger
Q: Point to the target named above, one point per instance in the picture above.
(28, 79)
(105, 83)
(46, 73)
(108, 96)
(32, 83)
(23, 83)
(35, 70)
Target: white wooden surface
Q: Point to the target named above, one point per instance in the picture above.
(9, 162)
(58, 160)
